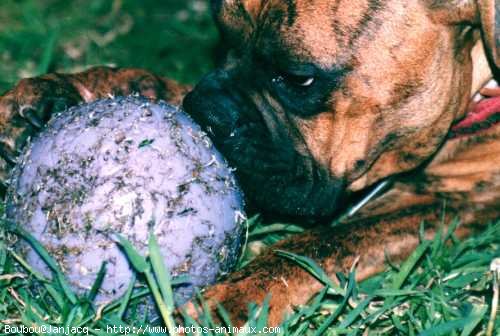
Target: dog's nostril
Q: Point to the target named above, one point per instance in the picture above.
(212, 108)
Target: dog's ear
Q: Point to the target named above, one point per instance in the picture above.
(232, 17)
(489, 16)
(479, 13)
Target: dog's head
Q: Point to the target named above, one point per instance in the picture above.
(320, 98)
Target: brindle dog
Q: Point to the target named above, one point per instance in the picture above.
(319, 100)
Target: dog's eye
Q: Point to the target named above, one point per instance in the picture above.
(295, 80)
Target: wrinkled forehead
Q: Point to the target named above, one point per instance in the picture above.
(323, 31)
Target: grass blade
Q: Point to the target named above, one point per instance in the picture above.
(97, 283)
(161, 272)
(447, 328)
(340, 308)
(138, 262)
(125, 299)
(310, 265)
(408, 265)
(478, 314)
(51, 263)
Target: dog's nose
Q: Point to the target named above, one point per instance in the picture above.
(212, 105)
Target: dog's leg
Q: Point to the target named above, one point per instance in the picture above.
(25, 108)
(334, 249)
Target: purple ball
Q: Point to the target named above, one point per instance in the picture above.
(127, 166)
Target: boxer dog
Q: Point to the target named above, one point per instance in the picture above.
(317, 102)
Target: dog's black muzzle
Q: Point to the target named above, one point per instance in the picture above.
(274, 176)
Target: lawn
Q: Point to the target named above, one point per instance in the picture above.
(169, 37)
(444, 288)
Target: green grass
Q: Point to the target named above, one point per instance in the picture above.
(444, 288)
(441, 289)
(175, 38)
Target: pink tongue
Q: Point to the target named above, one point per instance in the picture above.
(481, 112)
